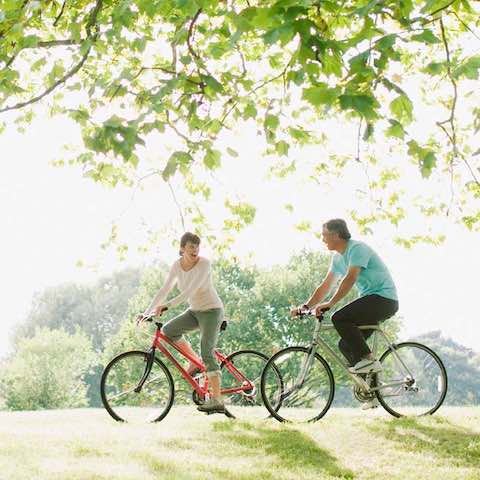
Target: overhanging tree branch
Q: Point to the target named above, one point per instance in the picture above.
(52, 87)
(59, 16)
(92, 32)
(452, 135)
(190, 35)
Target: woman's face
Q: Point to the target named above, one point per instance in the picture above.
(190, 251)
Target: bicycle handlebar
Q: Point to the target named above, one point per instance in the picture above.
(149, 318)
(301, 312)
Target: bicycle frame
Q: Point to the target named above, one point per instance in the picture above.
(201, 388)
(317, 341)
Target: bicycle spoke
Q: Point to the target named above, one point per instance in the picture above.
(422, 391)
(305, 400)
(154, 399)
(249, 365)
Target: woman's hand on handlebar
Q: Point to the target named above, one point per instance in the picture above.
(158, 311)
(147, 316)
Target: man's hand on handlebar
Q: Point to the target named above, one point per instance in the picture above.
(306, 310)
(300, 310)
(322, 308)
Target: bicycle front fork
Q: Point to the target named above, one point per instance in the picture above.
(146, 372)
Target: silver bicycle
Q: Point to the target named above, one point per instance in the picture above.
(413, 380)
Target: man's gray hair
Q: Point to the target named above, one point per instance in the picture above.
(339, 226)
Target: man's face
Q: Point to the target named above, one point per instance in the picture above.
(330, 239)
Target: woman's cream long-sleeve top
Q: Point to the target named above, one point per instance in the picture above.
(195, 286)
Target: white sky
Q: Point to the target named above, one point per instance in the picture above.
(52, 217)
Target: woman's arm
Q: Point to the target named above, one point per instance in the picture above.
(200, 275)
(165, 290)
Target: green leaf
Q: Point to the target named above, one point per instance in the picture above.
(282, 147)
(212, 159)
(218, 49)
(271, 122)
(214, 84)
(177, 159)
(435, 5)
(364, 105)
(232, 152)
(426, 36)
(468, 69)
(395, 130)
(434, 68)
(367, 134)
(320, 95)
(249, 112)
(386, 42)
(428, 163)
(402, 109)
(425, 157)
(304, 226)
(30, 41)
(170, 168)
(300, 135)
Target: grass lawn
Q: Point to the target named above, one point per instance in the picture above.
(86, 444)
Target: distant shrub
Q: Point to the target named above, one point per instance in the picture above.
(47, 371)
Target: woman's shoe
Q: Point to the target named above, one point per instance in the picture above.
(212, 405)
(193, 370)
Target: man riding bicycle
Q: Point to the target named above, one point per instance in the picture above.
(357, 264)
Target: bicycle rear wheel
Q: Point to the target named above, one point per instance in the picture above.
(119, 381)
(296, 400)
(413, 381)
(238, 369)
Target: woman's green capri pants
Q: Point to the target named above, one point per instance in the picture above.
(208, 321)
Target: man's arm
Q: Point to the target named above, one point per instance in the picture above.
(345, 285)
(322, 290)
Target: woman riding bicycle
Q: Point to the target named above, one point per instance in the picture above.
(192, 274)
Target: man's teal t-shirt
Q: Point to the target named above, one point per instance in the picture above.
(374, 277)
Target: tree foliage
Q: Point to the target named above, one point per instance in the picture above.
(462, 365)
(47, 371)
(97, 309)
(191, 69)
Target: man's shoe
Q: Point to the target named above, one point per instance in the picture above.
(373, 403)
(366, 365)
(212, 405)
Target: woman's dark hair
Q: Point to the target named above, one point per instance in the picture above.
(339, 226)
(188, 237)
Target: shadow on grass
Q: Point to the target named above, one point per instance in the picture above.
(292, 449)
(435, 435)
(162, 469)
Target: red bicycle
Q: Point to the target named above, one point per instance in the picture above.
(138, 386)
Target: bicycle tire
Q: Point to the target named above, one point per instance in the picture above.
(278, 412)
(248, 362)
(442, 381)
(113, 410)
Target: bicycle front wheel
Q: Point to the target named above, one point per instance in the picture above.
(413, 381)
(306, 389)
(121, 379)
(244, 369)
